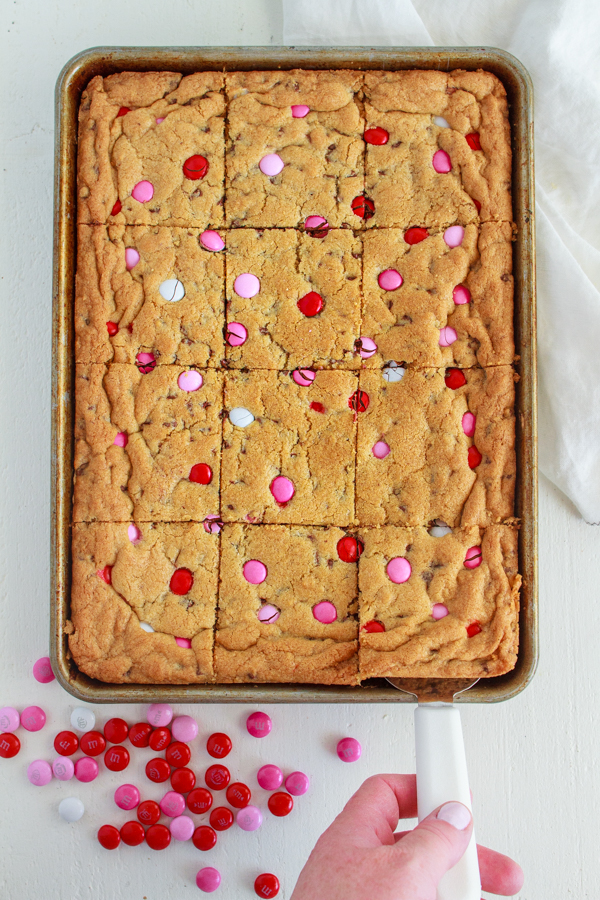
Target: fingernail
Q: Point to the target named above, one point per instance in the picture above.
(455, 814)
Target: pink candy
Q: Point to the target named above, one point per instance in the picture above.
(271, 165)
(127, 796)
(86, 769)
(159, 714)
(441, 162)
(39, 772)
(160, 119)
(9, 719)
(349, 750)
(268, 613)
(399, 570)
(211, 240)
(236, 334)
(249, 818)
(259, 724)
(208, 879)
(366, 347)
(303, 377)
(33, 718)
(454, 235)
(172, 804)
(134, 534)
(121, 439)
(297, 784)
(213, 524)
(143, 191)
(473, 558)
(468, 424)
(246, 285)
(439, 611)
(447, 336)
(299, 111)
(316, 222)
(325, 612)
(190, 381)
(461, 295)
(254, 571)
(183, 642)
(63, 768)
(182, 828)
(380, 450)
(184, 728)
(270, 777)
(42, 671)
(282, 489)
(132, 258)
(390, 280)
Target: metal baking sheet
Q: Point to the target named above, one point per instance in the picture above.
(107, 60)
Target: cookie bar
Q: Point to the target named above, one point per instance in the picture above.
(454, 305)
(151, 149)
(447, 160)
(301, 304)
(441, 607)
(295, 147)
(304, 432)
(436, 444)
(164, 576)
(148, 289)
(287, 607)
(147, 446)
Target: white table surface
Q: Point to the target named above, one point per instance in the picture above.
(532, 760)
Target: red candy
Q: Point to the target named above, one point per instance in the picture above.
(359, 401)
(112, 328)
(148, 812)
(109, 837)
(217, 777)
(377, 136)
(116, 730)
(221, 818)
(316, 406)
(123, 110)
(349, 548)
(280, 803)
(132, 834)
(201, 474)
(204, 837)
(474, 457)
(9, 745)
(139, 734)
(195, 167)
(158, 837)
(473, 629)
(105, 574)
(158, 770)
(183, 780)
(415, 235)
(92, 743)
(160, 739)
(178, 754)
(311, 304)
(238, 795)
(66, 743)
(181, 582)
(477, 204)
(199, 801)
(219, 745)
(455, 379)
(473, 140)
(116, 759)
(116, 208)
(373, 627)
(363, 207)
(267, 885)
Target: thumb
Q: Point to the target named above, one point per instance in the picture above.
(439, 841)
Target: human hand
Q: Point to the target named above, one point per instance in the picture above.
(360, 857)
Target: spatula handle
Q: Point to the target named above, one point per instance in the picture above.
(442, 776)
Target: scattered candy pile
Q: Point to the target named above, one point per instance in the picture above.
(163, 733)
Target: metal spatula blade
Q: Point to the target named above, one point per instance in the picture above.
(442, 769)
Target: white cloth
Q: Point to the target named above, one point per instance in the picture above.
(557, 41)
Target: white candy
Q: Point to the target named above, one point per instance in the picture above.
(393, 372)
(172, 290)
(71, 809)
(147, 627)
(439, 530)
(241, 417)
(441, 122)
(83, 719)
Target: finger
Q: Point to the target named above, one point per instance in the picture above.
(499, 874)
(437, 843)
(371, 814)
